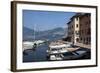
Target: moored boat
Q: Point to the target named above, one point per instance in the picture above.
(56, 50)
(32, 45)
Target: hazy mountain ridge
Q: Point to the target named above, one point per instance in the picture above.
(27, 31)
(48, 34)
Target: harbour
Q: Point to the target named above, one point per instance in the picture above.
(43, 53)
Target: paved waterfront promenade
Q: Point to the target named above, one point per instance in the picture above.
(83, 45)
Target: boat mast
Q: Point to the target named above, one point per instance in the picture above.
(34, 32)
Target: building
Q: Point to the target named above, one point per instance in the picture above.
(85, 29)
(73, 29)
(79, 30)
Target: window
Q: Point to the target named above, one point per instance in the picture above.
(88, 31)
(77, 25)
(80, 25)
(77, 39)
(72, 26)
(84, 40)
(77, 32)
(86, 23)
(77, 18)
(81, 32)
(87, 40)
(81, 39)
(89, 21)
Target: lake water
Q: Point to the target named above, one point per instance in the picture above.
(39, 54)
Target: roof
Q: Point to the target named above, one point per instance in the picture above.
(78, 15)
(69, 22)
(86, 14)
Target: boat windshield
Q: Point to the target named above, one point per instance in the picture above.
(58, 46)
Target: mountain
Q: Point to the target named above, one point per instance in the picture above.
(59, 31)
(53, 34)
(27, 31)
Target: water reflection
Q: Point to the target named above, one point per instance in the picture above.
(39, 54)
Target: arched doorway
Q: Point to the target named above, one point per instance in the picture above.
(77, 39)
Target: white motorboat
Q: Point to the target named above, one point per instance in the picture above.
(38, 42)
(31, 45)
(27, 45)
(56, 57)
(56, 50)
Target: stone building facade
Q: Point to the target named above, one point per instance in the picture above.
(73, 29)
(85, 29)
(79, 28)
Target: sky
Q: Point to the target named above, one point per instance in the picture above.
(45, 20)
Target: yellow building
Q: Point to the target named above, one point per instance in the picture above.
(73, 29)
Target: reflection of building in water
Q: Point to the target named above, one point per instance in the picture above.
(79, 30)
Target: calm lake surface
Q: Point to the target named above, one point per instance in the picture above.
(39, 54)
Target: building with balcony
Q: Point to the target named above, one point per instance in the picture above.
(73, 29)
(79, 30)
